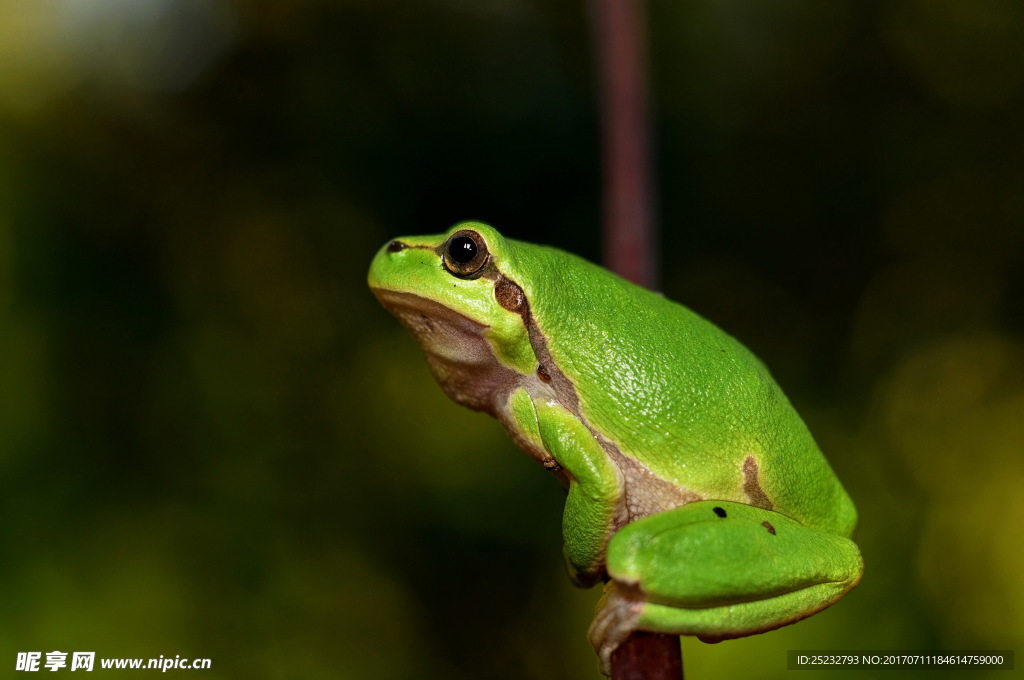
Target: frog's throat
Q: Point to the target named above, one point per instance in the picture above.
(457, 352)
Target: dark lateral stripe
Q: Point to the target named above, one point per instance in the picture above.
(752, 484)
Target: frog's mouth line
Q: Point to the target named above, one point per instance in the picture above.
(423, 315)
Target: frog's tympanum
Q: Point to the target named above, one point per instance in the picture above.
(696, 494)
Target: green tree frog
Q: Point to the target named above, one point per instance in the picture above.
(696, 494)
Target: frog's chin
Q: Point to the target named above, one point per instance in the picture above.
(457, 351)
(441, 330)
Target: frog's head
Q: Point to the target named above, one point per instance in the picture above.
(458, 294)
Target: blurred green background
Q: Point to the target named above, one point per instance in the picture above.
(214, 443)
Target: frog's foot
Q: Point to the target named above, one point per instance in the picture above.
(617, 615)
(718, 570)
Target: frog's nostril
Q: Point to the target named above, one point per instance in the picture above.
(395, 246)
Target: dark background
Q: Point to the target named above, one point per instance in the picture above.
(214, 443)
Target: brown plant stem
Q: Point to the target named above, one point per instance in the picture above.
(648, 656)
(629, 235)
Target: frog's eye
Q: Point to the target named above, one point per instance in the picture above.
(465, 254)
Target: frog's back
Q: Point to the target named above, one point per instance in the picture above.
(673, 391)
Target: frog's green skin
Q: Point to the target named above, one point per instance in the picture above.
(695, 490)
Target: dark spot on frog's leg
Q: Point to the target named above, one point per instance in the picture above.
(752, 485)
(768, 525)
(543, 374)
(719, 511)
(395, 246)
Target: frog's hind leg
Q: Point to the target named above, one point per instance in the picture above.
(718, 570)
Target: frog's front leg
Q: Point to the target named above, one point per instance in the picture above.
(718, 570)
(595, 489)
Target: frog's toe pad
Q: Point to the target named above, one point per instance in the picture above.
(617, 615)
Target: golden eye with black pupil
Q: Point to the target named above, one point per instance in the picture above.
(465, 254)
